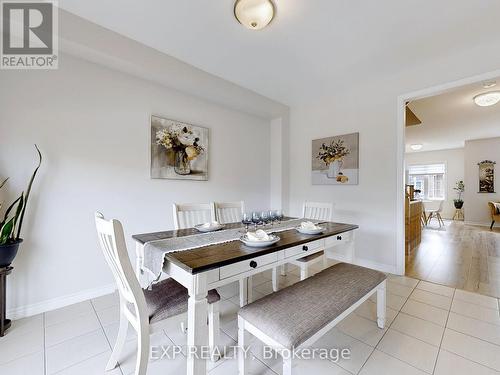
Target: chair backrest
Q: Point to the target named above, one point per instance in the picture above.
(187, 215)
(229, 212)
(317, 211)
(431, 205)
(440, 208)
(112, 242)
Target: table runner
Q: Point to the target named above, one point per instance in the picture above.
(154, 251)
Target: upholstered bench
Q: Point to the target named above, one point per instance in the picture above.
(297, 316)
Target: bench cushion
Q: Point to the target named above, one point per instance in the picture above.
(169, 298)
(294, 314)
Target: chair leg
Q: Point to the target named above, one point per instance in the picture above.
(120, 341)
(213, 330)
(141, 366)
(243, 292)
(304, 272)
(287, 366)
(381, 305)
(241, 345)
(492, 223)
(440, 219)
(275, 279)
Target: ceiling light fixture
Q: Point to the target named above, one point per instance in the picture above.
(416, 147)
(254, 14)
(487, 99)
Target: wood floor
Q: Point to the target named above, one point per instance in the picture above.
(458, 255)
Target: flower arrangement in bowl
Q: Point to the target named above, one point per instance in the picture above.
(460, 188)
(184, 142)
(12, 221)
(333, 156)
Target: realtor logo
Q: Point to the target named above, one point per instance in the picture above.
(29, 35)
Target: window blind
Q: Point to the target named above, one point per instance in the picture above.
(426, 169)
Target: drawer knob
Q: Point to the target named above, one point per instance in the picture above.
(305, 248)
(253, 264)
(339, 238)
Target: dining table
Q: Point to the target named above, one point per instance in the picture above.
(204, 261)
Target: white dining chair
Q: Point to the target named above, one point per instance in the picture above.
(229, 212)
(436, 212)
(145, 310)
(313, 211)
(187, 215)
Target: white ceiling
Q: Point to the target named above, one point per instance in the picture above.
(449, 119)
(310, 47)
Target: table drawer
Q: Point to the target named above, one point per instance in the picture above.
(338, 239)
(247, 265)
(300, 249)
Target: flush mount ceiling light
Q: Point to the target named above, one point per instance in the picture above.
(487, 99)
(254, 14)
(416, 147)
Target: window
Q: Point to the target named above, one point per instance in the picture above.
(429, 179)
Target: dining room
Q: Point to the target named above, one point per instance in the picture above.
(209, 188)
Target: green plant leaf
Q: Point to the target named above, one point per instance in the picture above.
(20, 206)
(6, 231)
(28, 191)
(4, 182)
(11, 207)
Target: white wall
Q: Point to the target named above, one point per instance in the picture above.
(476, 204)
(92, 125)
(454, 160)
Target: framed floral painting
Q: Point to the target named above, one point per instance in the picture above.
(178, 150)
(335, 160)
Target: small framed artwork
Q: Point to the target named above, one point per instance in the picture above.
(178, 150)
(335, 160)
(486, 176)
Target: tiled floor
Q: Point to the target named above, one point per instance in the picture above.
(431, 329)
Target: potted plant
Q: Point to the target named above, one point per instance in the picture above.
(333, 156)
(11, 224)
(460, 188)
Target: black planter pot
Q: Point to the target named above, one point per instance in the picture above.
(459, 205)
(8, 252)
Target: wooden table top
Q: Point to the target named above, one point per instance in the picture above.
(215, 256)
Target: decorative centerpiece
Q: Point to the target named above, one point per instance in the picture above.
(333, 156)
(183, 141)
(460, 188)
(11, 224)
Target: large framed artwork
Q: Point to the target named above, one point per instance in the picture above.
(486, 176)
(178, 150)
(335, 160)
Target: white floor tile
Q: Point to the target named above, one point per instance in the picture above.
(172, 366)
(31, 364)
(393, 301)
(426, 312)
(432, 299)
(435, 288)
(104, 302)
(449, 363)
(360, 351)
(311, 366)
(76, 350)
(410, 350)
(368, 310)
(477, 299)
(26, 325)
(109, 315)
(95, 366)
(111, 332)
(472, 348)
(403, 280)
(362, 329)
(475, 311)
(473, 327)
(230, 367)
(68, 313)
(229, 290)
(381, 363)
(80, 325)
(14, 346)
(398, 289)
(421, 329)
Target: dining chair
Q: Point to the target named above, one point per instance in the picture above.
(229, 212)
(187, 215)
(436, 213)
(313, 211)
(145, 310)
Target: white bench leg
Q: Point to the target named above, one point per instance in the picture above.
(243, 292)
(275, 279)
(249, 289)
(304, 272)
(213, 329)
(241, 345)
(381, 307)
(325, 261)
(283, 269)
(287, 366)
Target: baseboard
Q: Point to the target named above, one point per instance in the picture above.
(56, 303)
(484, 224)
(387, 268)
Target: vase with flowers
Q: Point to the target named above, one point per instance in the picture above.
(460, 188)
(333, 156)
(183, 142)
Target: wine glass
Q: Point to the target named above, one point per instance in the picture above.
(272, 216)
(279, 215)
(265, 217)
(256, 219)
(246, 220)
